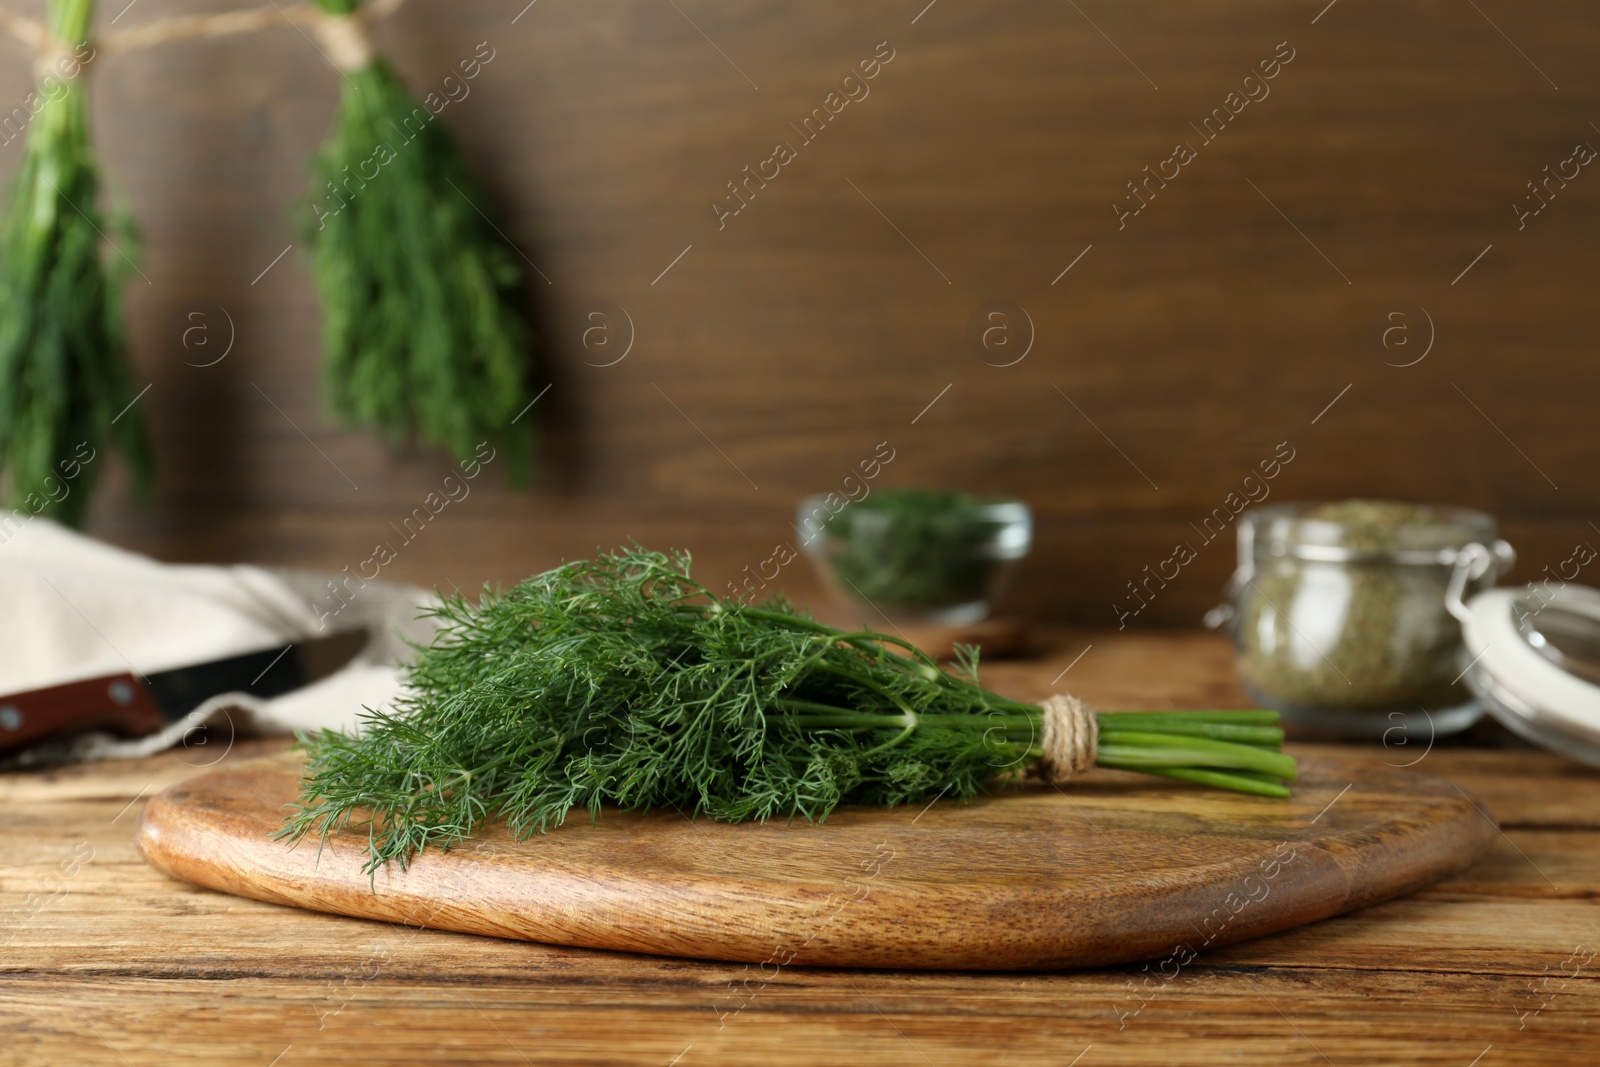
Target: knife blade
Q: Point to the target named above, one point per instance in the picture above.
(133, 705)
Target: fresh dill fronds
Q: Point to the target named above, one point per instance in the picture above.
(65, 384)
(623, 681)
(423, 327)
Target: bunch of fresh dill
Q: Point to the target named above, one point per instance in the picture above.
(622, 680)
(422, 324)
(64, 376)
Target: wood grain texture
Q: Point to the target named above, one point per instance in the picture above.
(117, 964)
(1106, 870)
(1213, 326)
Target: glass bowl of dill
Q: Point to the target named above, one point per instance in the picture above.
(934, 555)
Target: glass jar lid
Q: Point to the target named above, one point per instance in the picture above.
(1362, 530)
(1534, 659)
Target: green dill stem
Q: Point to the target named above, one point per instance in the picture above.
(821, 715)
(868, 682)
(971, 720)
(1270, 736)
(462, 774)
(1132, 751)
(1238, 783)
(1258, 776)
(1187, 744)
(1125, 719)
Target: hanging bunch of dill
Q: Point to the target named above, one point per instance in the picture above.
(624, 681)
(65, 385)
(421, 321)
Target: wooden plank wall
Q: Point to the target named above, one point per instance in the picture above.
(1184, 344)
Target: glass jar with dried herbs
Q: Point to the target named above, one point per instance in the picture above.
(1339, 618)
(933, 555)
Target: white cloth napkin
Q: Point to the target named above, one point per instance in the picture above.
(72, 607)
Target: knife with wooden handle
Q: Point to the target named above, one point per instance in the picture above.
(133, 705)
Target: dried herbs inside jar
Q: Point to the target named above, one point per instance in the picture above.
(1366, 632)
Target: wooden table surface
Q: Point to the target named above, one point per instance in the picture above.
(102, 960)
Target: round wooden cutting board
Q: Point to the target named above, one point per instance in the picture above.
(1111, 868)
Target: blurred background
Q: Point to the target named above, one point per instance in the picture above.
(1147, 362)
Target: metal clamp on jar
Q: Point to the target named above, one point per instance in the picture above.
(1534, 658)
(1341, 618)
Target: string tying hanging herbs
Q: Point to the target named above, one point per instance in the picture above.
(66, 390)
(422, 327)
(622, 680)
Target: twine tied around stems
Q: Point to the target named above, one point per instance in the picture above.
(344, 39)
(1071, 734)
(346, 45)
(47, 51)
(60, 59)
